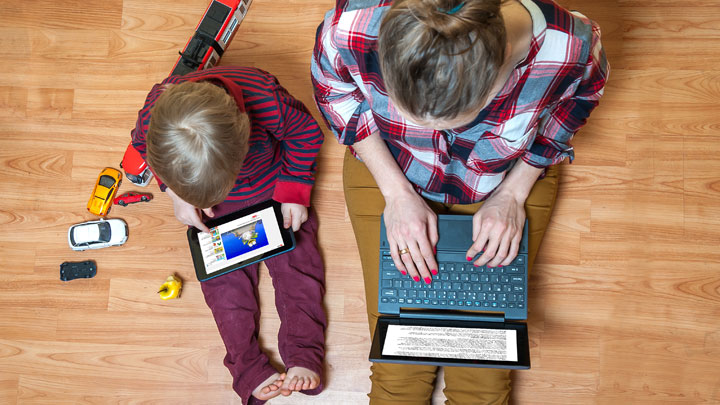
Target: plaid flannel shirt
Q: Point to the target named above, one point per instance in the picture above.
(547, 98)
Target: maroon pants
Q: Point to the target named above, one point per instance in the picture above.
(299, 281)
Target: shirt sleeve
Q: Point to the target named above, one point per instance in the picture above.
(337, 95)
(138, 135)
(561, 122)
(301, 139)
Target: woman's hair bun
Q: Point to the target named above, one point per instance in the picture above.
(453, 18)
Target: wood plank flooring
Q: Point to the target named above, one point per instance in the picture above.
(625, 299)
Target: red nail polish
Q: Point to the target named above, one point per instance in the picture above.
(428, 280)
(434, 250)
(433, 271)
(469, 258)
(475, 265)
(416, 278)
(403, 272)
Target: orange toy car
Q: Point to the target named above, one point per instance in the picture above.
(105, 188)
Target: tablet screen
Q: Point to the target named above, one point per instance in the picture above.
(238, 240)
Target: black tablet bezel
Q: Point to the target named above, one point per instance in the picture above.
(378, 342)
(192, 235)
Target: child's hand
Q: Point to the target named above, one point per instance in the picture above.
(293, 214)
(187, 213)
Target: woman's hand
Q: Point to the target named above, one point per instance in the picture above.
(411, 228)
(187, 213)
(293, 214)
(497, 229)
(498, 224)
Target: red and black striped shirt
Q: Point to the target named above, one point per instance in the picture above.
(284, 138)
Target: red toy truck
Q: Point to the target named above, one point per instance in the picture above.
(212, 35)
(136, 170)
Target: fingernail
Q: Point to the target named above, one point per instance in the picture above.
(428, 280)
(403, 272)
(434, 250)
(469, 258)
(475, 265)
(416, 278)
(433, 271)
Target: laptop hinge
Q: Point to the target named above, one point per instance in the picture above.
(453, 315)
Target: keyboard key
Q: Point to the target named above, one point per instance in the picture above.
(454, 276)
(461, 303)
(402, 293)
(507, 287)
(385, 300)
(474, 278)
(466, 287)
(393, 300)
(388, 265)
(444, 276)
(519, 260)
(484, 278)
(401, 300)
(397, 283)
(517, 279)
(389, 293)
(390, 274)
(494, 278)
(407, 284)
(513, 269)
(504, 279)
(464, 277)
(443, 302)
(386, 283)
(497, 287)
(410, 300)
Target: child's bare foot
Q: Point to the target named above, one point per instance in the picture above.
(269, 388)
(299, 378)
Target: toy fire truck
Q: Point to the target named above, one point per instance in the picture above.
(136, 170)
(212, 36)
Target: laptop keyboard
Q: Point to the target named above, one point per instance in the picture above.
(457, 286)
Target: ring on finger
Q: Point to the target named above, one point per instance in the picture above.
(403, 251)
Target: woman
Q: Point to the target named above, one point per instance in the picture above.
(452, 107)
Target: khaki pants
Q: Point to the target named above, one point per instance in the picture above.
(411, 384)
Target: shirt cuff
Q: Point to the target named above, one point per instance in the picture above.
(292, 192)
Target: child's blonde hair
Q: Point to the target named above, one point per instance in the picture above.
(197, 141)
(440, 58)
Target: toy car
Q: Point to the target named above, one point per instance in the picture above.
(104, 191)
(132, 197)
(212, 35)
(97, 234)
(136, 170)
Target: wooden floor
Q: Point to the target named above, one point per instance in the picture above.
(625, 299)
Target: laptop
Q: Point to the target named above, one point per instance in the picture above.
(468, 316)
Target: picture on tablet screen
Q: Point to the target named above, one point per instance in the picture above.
(240, 240)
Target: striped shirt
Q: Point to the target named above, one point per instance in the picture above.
(547, 98)
(284, 138)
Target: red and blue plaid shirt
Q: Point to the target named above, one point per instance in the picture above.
(547, 98)
(284, 138)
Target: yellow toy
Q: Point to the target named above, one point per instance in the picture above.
(170, 288)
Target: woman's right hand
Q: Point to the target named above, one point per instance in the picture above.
(187, 213)
(411, 228)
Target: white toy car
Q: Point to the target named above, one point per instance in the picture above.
(97, 234)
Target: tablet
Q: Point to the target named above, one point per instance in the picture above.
(451, 343)
(238, 239)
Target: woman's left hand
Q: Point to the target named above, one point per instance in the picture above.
(497, 230)
(293, 215)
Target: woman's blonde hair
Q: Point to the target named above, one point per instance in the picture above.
(440, 58)
(197, 141)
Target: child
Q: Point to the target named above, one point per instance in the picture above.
(223, 139)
